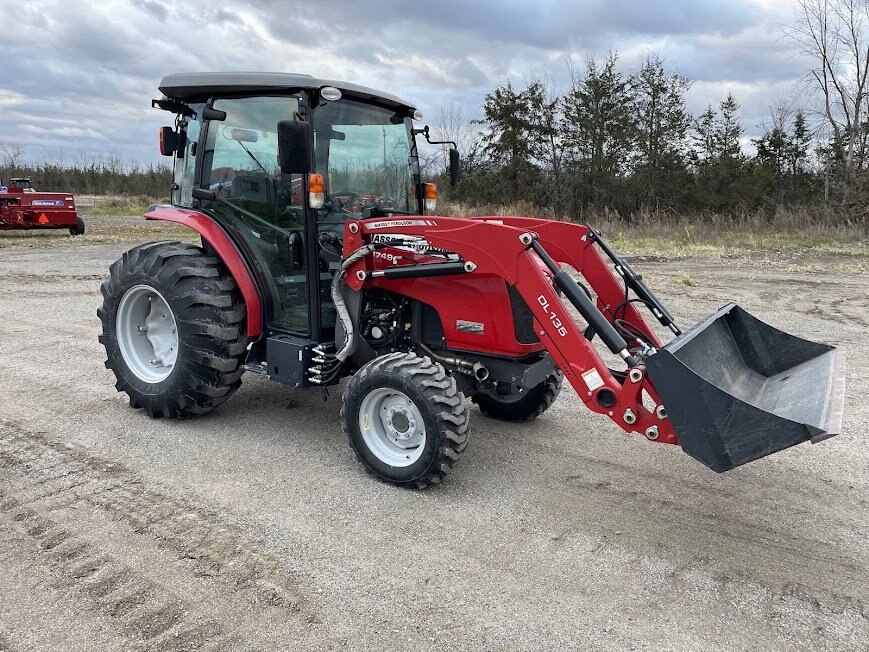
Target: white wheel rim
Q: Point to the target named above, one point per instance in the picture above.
(392, 427)
(147, 334)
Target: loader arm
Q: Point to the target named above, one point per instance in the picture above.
(574, 245)
(729, 390)
(516, 250)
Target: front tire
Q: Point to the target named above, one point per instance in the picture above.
(173, 329)
(405, 420)
(535, 402)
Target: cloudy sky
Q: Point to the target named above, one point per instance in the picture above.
(77, 77)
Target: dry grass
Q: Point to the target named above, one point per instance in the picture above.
(712, 236)
(115, 206)
(101, 229)
(794, 239)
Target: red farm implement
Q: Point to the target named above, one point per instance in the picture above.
(21, 207)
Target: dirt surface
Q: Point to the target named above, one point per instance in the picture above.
(254, 529)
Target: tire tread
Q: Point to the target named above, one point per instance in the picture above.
(440, 391)
(536, 402)
(210, 315)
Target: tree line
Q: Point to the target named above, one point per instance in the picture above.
(100, 174)
(625, 141)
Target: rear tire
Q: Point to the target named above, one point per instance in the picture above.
(174, 329)
(78, 229)
(530, 406)
(405, 420)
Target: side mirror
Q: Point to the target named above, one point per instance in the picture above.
(209, 113)
(169, 141)
(454, 152)
(294, 147)
(454, 166)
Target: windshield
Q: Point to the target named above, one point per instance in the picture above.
(366, 158)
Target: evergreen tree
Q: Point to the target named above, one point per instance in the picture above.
(784, 156)
(801, 142)
(704, 139)
(660, 124)
(510, 140)
(596, 132)
(728, 131)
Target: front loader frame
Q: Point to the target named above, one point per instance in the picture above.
(526, 253)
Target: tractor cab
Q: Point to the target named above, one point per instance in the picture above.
(281, 161)
(19, 184)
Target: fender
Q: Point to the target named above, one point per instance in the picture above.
(220, 242)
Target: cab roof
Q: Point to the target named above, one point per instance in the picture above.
(192, 85)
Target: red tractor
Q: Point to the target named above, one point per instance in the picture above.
(321, 259)
(22, 207)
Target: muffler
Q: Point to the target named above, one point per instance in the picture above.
(737, 389)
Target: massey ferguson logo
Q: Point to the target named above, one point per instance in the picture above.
(414, 243)
(559, 325)
(397, 224)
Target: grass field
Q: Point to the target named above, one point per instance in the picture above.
(792, 239)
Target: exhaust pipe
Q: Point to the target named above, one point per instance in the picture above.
(478, 369)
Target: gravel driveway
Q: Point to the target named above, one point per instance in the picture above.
(253, 528)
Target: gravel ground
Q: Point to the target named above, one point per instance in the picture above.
(254, 529)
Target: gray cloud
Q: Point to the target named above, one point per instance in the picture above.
(155, 9)
(544, 24)
(89, 84)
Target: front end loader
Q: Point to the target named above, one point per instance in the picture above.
(321, 259)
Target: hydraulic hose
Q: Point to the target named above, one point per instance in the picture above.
(349, 344)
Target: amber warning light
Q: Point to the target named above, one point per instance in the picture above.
(316, 190)
(430, 196)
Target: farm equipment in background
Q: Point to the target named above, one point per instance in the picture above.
(22, 207)
(321, 259)
(24, 184)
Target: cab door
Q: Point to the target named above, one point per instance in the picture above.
(262, 206)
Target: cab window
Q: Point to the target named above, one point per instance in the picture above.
(264, 206)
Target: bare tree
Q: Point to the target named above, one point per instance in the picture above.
(835, 33)
(452, 124)
(13, 156)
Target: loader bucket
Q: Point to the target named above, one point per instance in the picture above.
(737, 389)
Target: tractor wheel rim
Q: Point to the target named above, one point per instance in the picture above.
(392, 427)
(147, 334)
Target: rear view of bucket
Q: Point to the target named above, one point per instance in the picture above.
(737, 389)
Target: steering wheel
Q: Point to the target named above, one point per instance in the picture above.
(329, 250)
(351, 198)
